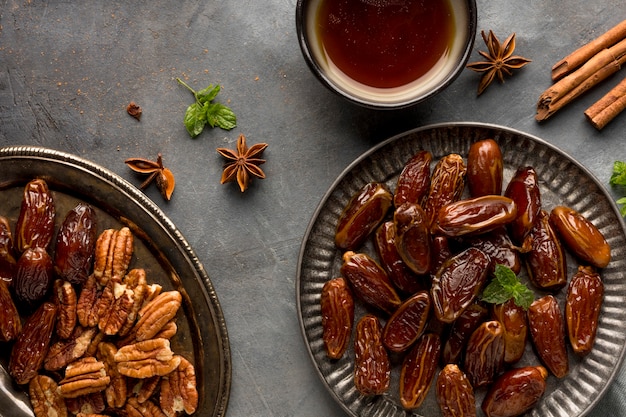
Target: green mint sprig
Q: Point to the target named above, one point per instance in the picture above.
(618, 177)
(203, 111)
(504, 286)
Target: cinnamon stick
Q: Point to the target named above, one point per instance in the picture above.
(598, 68)
(585, 52)
(608, 107)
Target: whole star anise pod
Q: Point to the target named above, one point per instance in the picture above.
(163, 177)
(500, 60)
(243, 164)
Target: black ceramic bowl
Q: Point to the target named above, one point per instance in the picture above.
(434, 81)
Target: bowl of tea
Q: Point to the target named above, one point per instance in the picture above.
(386, 53)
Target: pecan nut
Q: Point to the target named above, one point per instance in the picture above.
(45, 398)
(89, 405)
(116, 391)
(146, 409)
(178, 390)
(156, 314)
(87, 304)
(85, 376)
(64, 352)
(114, 306)
(143, 389)
(146, 359)
(66, 299)
(114, 249)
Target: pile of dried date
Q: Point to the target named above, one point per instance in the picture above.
(88, 336)
(436, 251)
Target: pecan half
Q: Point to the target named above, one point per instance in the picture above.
(178, 390)
(144, 388)
(89, 405)
(116, 391)
(86, 307)
(64, 352)
(114, 306)
(154, 315)
(146, 359)
(85, 376)
(114, 249)
(135, 280)
(66, 300)
(45, 398)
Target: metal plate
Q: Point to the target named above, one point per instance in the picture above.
(159, 248)
(562, 181)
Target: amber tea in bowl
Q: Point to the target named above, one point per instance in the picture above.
(386, 53)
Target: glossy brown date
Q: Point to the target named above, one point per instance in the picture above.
(484, 168)
(7, 255)
(370, 281)
(418, 371)
(582, 309)
(32, 344)
(515, 392)
(523, 188)
(35, 223)
(372, 368)
(484, 355)
(476, 215)
(446, 185)
(458, 282)
(546, 262)
(498, 246)
(547, 329)
(581, 236)
(33, 278)
(402, 277)
(337, 316)
(408, 322)
(414, 180)
(10, 323)
(440, 252)
(363, 213)
(460, 332)
(75, 244)
(455, 394)
(515, 328)
(413, 237)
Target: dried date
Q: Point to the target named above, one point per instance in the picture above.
(523, 188)
(457, 284)
(484, 356)
(582, 309)
(484, 168)
(34, 277)
(499, 247)
(408, 322)
(414, 180)
(35, 223)
(31, 346)
(7, 254)
(515, 329)
(446, 185)
(546, 262)
(10, 322)
(455, 394)
(372, 368)
(547, 329)
(418, 371)
(460, 332)
(337, 316)
(402, 277)
(362, 215)
(475, 216)
(413, 237)
(581, 236)
(75, 244)
(370, 281)
(515, 392)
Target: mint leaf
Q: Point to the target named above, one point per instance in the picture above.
(219, 115)
(622, 202)
(204, 112)
(195, 119)
(504, 286)
(618, 177)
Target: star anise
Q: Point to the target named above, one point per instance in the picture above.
(163, 177)
(243, 164)
(500, 60)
